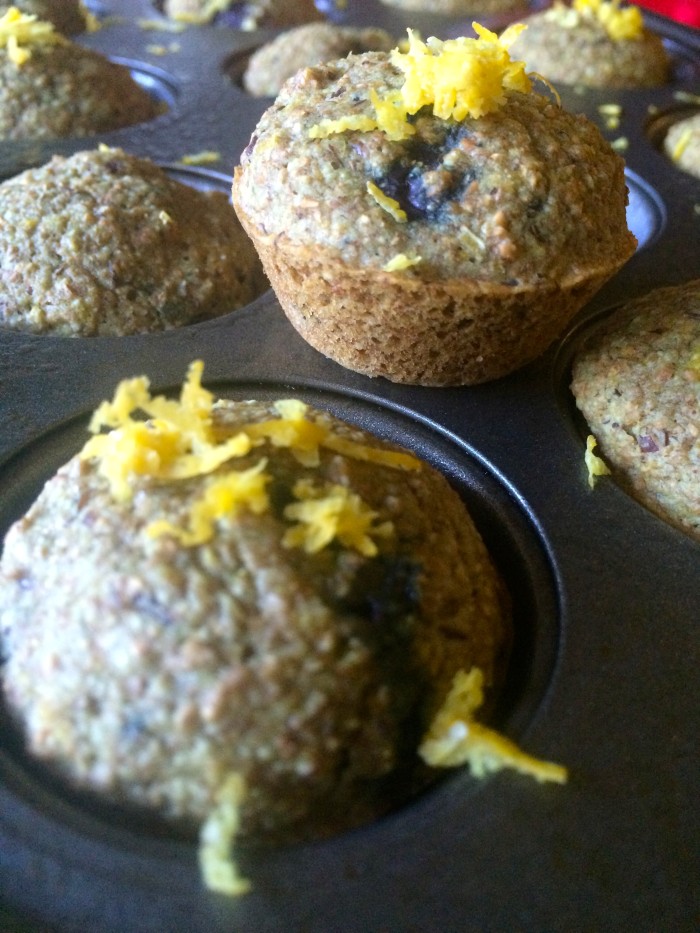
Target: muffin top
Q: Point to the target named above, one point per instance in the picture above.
(52, 87)
(244, 14)
(682, 144)
(637, 382)
(242, 588)
(594, 43)
(519, 193)
(68, 16)
(276, 61)
(73, 239)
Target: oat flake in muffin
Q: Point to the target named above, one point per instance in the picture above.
(276, 61)
(240, 588)
(637, 382)
(593, 43)
(105, 243)
(52, 87)
(427, 248)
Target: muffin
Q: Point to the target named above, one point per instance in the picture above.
(276, 61)
(52, 87)
(248, 589)
(426, 243)
(457, 7)
(68, 17)
(248, 15)
(682, 144)
(105, 243)
(637, 382)
(593, 43)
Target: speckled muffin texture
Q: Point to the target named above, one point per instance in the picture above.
(637, 383)
(276, 61)
(682, 144)
(247, 15)
(457, 7)
(150, 671)
(68, 16)
(105, 243)
(570, 49)
(518, 217)
(67, 90)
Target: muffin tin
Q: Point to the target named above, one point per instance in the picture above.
(606, 595)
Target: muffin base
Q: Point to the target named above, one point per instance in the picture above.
(395, 325)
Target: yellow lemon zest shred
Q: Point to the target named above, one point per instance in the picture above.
(458, 78)
(682, 143)
(455, 739)
(326, 127)
(223, 496)
(216, 839)
(390, 205)
(170, 440)
(594, 464)
(401, 261)
(20, 31)
(332, 511)
(620, 23)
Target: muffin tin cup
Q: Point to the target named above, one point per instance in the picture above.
(606, 594)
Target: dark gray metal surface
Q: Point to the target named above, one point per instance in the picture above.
(607, 596)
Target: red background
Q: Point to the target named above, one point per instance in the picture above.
(684, 11)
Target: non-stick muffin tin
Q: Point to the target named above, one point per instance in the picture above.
(606, 595)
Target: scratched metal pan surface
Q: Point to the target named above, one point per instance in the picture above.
(606, 595)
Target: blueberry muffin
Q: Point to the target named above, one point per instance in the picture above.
(276, 595)
(276, 61)
(682, 144)
(105, 243)
(244, 14)
(67, 16)
(637, 382)
(430, 245)
(593, 43)
(52, 87)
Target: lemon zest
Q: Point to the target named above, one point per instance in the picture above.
(216, 838)
(458, 78)
(223, 497)
(619, 23)
(455, 739)
(594, 464)
(331, 511)
(390, 205)
(682, 143)
(170, 440)
(401, 261)
(20, 31)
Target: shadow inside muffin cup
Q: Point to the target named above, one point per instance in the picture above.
(156, 82)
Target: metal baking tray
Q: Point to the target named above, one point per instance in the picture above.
(607, 596)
